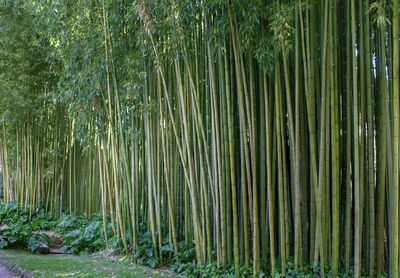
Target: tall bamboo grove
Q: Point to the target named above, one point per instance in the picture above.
(265, 133)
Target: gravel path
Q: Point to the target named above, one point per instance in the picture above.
(4, 273)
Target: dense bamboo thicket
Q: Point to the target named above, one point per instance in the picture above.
(264, 132)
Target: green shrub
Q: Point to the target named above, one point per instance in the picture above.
(145, 254)
(87, 239)
(15, 235)
(67, 223)
(81, 234)
(38, 243)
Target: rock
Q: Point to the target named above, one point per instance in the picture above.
(56, 240)
(43, 249)
(56, 251)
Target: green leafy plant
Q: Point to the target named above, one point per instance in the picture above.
(214, 270)
(38, 243)
(15, 235)
(67, 223)
(88, 239)
(82, 234)
(145, 254)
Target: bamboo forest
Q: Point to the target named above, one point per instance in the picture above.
(246, 138)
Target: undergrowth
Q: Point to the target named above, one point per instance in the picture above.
(85, 235)
(81, 234)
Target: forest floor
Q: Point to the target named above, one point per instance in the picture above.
(95, 265)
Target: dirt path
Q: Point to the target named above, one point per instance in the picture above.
(4, 273)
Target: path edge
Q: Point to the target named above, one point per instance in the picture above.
(15, 269)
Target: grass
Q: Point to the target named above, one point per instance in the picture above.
(77, 266)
